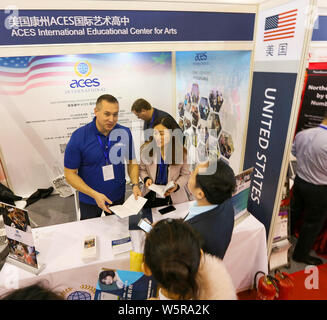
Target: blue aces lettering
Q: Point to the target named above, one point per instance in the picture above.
(82, 83)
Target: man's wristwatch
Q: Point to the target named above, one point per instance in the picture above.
(134, 184)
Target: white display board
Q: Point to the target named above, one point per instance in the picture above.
(45, 98)
(212, 101)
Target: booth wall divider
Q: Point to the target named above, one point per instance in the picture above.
(276, 80)
(293, 119)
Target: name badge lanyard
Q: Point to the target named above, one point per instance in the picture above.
(323, 127)
(162, 172)
(105, 149)
(152, 120)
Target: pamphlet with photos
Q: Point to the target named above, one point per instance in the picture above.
(124, 285)
(19, 234)
(241, 194)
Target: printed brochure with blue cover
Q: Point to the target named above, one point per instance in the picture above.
(124, 285)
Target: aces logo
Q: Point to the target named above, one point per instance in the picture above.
(83, 69)
(201, 56)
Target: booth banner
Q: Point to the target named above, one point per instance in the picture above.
(212, 95)
(314, 102)
(25, 27)
(43, 99)
(270, 109)
(19, 235)
(280, 31)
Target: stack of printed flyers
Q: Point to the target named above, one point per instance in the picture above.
(121, 243)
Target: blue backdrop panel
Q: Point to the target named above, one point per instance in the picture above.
(85, 26)
(270, 108)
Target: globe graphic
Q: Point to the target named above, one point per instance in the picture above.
(83, 68)
(79, 295)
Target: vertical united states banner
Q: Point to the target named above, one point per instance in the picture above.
(280, 41)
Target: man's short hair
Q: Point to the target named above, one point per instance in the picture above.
(106, 97)
(141, 104)
(220, 185)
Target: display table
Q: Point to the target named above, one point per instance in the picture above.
(60, 248)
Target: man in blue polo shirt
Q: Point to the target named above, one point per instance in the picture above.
(95, 157)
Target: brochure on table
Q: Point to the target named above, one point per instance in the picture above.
(124, 285)
(121, 242)
(20, 238)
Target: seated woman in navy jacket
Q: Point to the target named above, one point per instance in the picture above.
(212, 185)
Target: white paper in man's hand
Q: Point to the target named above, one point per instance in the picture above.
(130, 207)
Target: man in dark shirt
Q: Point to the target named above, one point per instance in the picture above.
(212, 216)
(143, 110)
(310, 189)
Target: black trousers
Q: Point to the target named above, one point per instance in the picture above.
(310, 199)
(154, 202)
(89, 211)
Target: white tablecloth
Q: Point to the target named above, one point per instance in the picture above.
(60, 248)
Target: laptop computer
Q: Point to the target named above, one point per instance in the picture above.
(241, 194)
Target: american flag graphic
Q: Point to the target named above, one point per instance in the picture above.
(21, 74)
(280, 26)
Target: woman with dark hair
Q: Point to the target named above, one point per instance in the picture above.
(164, 159)
(173, 256)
